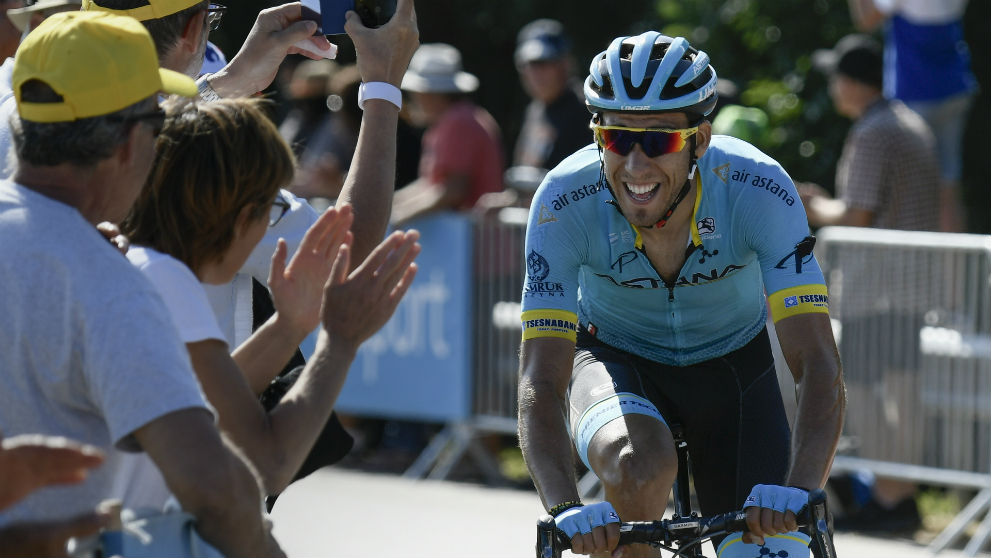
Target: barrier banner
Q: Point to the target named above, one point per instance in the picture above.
(418, 366)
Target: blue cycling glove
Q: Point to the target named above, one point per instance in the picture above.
(778, 498)
(584, 519)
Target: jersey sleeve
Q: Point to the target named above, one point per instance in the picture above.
(550, 291)
(775, 227)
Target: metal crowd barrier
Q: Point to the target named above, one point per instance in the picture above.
(497, 284)
(911, 313)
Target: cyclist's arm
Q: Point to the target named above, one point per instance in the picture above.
(545, 370)
(808, 345)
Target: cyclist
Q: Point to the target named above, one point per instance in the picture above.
(649, 256)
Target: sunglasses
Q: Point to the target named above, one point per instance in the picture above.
(155, 119)
(278, 210)
(214, 13)
(654, 141)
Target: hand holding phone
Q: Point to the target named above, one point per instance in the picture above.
(329, 14)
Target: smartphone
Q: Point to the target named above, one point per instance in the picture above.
(329, 14)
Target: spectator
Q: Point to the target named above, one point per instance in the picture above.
(97, 358)
(887, 177)
(307, 97)
(208, 202)
(382, 56)
(887, 174)
(10, 36)
(180, 28)
(556, 123)
(25, 19)
(461, 158)
(31, 462)
(927, 66)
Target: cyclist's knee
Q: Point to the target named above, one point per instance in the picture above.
(634, 463)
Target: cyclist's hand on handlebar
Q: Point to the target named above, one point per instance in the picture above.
(592, 528)
(772, 509)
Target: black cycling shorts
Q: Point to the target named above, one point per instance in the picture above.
(730, 409)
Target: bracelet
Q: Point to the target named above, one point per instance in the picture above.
(554, 511)
(379, 90)
(204, 90)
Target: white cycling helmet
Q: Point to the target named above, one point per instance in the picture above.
(651, 73)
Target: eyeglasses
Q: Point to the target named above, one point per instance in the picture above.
(654, 141)
(155, 119)
(279, 208)
(214, 13)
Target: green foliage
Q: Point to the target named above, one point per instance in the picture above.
(766, 48)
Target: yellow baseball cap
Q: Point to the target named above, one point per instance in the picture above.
(99, 63)
(155, 9)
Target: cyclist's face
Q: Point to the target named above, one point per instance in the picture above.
(645, 186)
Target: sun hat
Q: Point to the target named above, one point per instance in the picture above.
(21, 17)
(437, 68)
(154, 9)
(99, 63)
(540, 40)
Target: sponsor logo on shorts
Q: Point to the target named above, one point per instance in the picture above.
(791, 301)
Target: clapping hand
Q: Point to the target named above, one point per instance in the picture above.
(297, 290)
(357, 304)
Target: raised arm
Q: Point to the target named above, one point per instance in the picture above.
(354, 307)
(383, 56)
(297, 290)
(272, 37)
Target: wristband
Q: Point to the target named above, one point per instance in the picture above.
(379, 90)
(555, 510)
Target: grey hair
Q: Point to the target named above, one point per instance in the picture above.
(82, 143)
(165, 31)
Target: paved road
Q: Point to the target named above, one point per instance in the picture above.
(343, 513)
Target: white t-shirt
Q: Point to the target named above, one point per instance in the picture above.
(924, 12)
(87, 349)
(8, 106)
(139, 483)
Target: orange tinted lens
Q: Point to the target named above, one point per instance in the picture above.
(653, 142)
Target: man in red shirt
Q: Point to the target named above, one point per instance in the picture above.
(461, 157)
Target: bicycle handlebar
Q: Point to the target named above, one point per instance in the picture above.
(813, 519)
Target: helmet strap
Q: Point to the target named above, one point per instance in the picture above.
(685, 187)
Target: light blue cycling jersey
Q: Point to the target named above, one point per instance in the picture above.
(585, 263)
